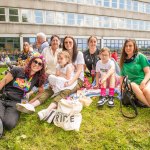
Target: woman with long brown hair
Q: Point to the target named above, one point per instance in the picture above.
(77, 60)
(135, 65)
(91, 54)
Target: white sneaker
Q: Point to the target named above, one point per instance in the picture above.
(51, 115)
(25, 108)
(43, 114)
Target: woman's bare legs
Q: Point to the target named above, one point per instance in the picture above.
(146, 92)
(140, 94)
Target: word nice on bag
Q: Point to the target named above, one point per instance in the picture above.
(68, 115)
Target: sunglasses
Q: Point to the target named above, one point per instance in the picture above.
(37, 63)
(68, 42)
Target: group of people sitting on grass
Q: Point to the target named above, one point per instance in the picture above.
(58, 72)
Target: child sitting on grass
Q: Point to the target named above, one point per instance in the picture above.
(105, 77)
(64, 73)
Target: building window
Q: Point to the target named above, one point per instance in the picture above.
(141, 7)
(140, 44)
(106, 22)
(106, 3)
(90, 2)
(9, 43)
(60, 18)
(99, 44)
(70, 19)
(2, 14)
(113, 44)
(72, 1)
(141, 25)
(38, 16)
(30, 40)
(2, 43)
(98, 2)
(147, 26)
(147, 8)
(80, 44)
(128, 5)
(128, 24)
(135, 25)
(80, 1)
(97, 21)
(13, 15)
(121, 4)
(80, 20)
(114, 3)
(121, 23)
(26, 15)
(135, 6)
(114, 23)
(89, 21)
(50, 17)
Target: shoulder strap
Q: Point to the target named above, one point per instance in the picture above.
(128, 87)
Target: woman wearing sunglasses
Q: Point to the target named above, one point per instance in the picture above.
(77, 59)
(50, 54)
(14, 87)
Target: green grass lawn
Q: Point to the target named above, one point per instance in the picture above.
(102, 128)
(2, 70)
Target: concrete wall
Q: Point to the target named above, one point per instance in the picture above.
(19, 28)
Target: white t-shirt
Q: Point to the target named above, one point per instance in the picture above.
(51, 60)
(104, 68)
(57, 83)
(80, 61)
(64, 70)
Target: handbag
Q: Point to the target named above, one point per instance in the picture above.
(68, 115)
(128, 97)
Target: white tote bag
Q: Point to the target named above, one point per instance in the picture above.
(68, 115)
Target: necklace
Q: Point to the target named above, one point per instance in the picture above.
(92, 58)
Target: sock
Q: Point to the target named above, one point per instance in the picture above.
(103, 91)
(53, 105)
(111, 91)
(29, 94)
(36, 103)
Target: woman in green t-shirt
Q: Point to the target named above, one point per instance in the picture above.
(136, 66)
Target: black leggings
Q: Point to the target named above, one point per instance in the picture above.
(8, 113)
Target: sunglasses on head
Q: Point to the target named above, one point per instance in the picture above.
(36, 62)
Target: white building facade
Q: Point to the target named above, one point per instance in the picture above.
(112, 21)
